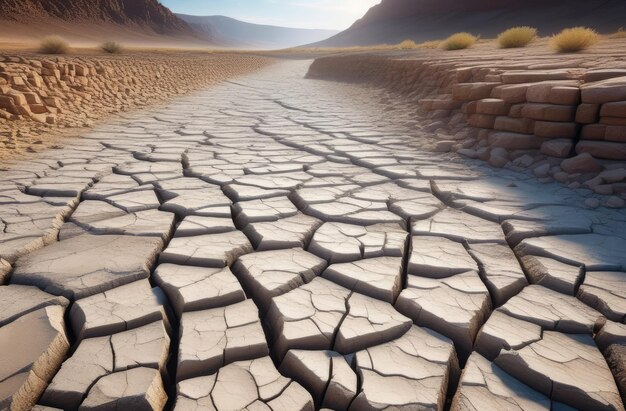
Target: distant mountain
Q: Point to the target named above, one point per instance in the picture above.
(147, 14)
(393, 21)
(140, 22)
(89, 22)
(229, 32)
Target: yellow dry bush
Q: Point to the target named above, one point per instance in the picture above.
(619, 34)
(53, 45)
(407, 45)
(111, 47)
(574, 39)
(517, 37)
(459, 41)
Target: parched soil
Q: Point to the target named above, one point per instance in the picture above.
(278, 243)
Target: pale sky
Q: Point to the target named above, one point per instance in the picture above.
(314, 14)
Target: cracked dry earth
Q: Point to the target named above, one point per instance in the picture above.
(275, 243)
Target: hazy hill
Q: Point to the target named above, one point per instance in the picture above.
(142, 13)
(229, 32)
(395, 20)
(131, 21)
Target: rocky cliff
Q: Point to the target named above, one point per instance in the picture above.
(563, 117)
(143, 14)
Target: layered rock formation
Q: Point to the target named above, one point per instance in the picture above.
(38, 94)
(563, 117)
(143, 14)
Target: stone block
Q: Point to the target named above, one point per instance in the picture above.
(587, 113)
(549, 129)
(582, 163)
(593, 132)
(481, 120)
(615, 109)
(515, 125)
(473, 91)
(557, 148)
(514, 141)
(615, 133)
(549, 112)
(492, 106)
(605, 91)
(603, 149)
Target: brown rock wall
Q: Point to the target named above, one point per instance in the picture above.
(555, 110)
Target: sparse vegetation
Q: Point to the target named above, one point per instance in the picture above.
(575, 39)
(432, 44)
(408, 45)
(411, 45)
(619, 34)
(111, 47)
(53, 45)
(459, 41)
(517, 37)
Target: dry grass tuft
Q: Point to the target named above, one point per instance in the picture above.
(619, 34)
(111, 47)
(407, 45)
(517, 37)
(411, 45)
(574, 39)
(459, 41)
(53, 45)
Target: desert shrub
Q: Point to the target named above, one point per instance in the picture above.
(111, 47)
(619, 34)
(574, 39)
(53, 45)
(433, 44)
(407, 45)
(517, 37)
(459, 41)
(411, 45)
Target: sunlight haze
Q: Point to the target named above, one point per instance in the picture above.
(314, 14)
